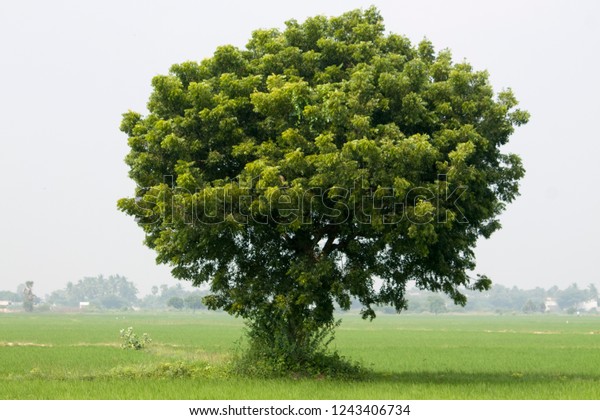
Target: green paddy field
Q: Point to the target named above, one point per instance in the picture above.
(78, 356)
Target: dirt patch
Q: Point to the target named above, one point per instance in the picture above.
(94, 345)
(500, 331)
(21, 344)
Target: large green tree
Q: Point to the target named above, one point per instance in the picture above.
(322, 162)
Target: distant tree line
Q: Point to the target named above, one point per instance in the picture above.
(115, 292)
(175, 297)
(507, 299)
(9, 296)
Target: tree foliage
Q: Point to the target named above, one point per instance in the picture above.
(322, 162)
(175, 302)
(28, 296)
(113, 292)
(11, 296)
(193, 301)
(436, 304)
(572, 296)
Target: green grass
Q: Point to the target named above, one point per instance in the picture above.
(77, 356)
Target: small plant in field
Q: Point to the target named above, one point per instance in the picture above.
(132, 341)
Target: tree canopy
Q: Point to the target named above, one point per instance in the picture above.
(324, 161)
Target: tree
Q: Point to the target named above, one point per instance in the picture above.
(530, 306)
(193, 302)
(113, 302)
(436, 305)
(175, 302)
(593, 291)
(291, 174)
(10, 296)
(122, 288)
(569, 298)
(28, 296)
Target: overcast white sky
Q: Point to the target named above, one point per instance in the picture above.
(69, 69)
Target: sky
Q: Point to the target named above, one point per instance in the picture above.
(69, 69)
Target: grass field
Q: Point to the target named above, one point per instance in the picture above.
(77, 356)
